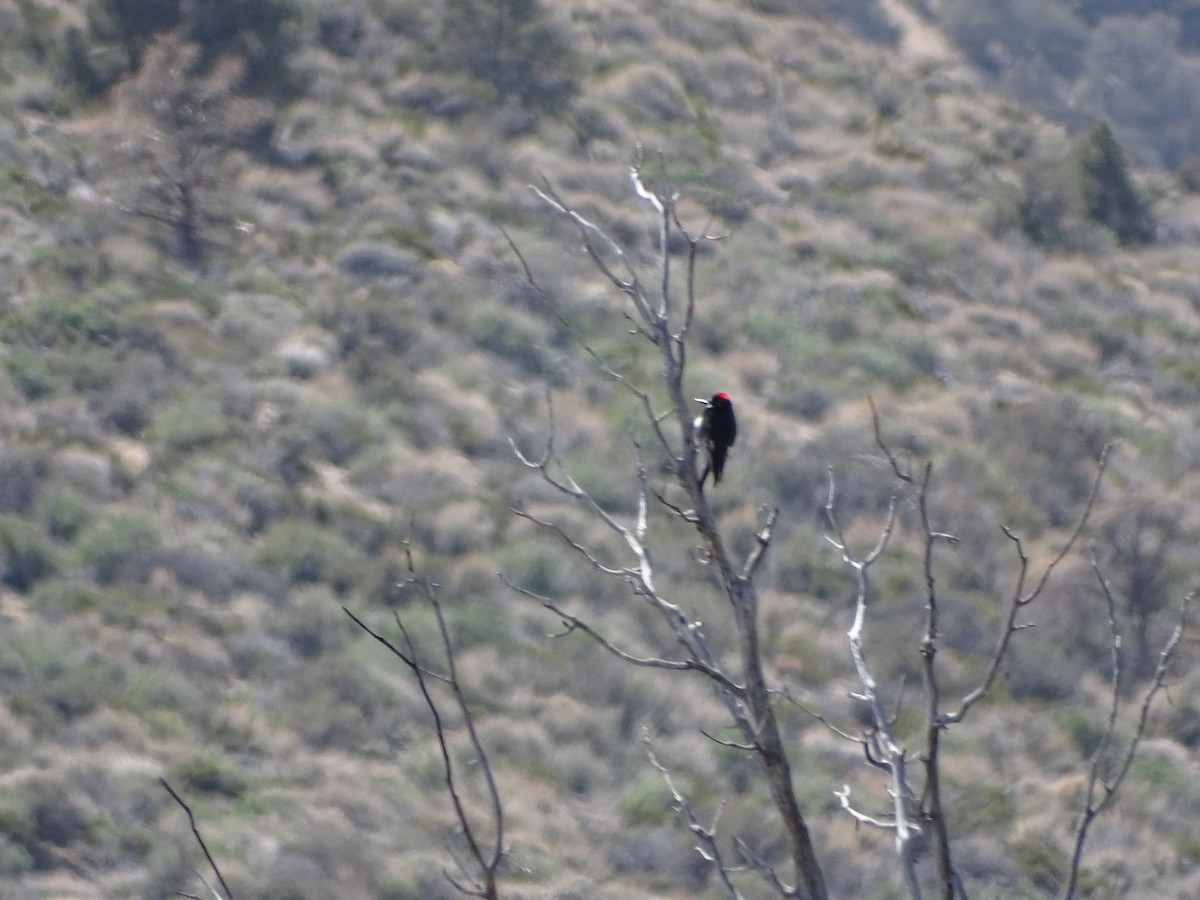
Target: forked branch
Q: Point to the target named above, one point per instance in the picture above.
(1105, 773)
(486, 856)
(706, 835)
(937, 720)
(881, 746)
(665, 323)
(1020, 597)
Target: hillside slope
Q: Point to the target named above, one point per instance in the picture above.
(206, 453)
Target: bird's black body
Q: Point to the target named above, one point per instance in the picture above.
(716, 430)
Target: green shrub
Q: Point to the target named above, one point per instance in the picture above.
(314, 624)
(57, 320)
(1085, 728)
(56, 678)
(336, 703)
(476, 622)
(188, 426)
(120, 548)
(30, 372)
(64, 513)
(304, 552)
(371, 261)
(22, 472)
(647, 801)
(342, 430)
(536, 567)
(512, 338)
(26, 555)
(209, 774)
(513, 47)
(1039, 861)
(979, 807)
(1109, 195)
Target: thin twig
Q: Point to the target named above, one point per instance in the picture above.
(1019, 598)
(707, 835)
(574, 623)
(1109, 786)
(483, 884)
(199, 838)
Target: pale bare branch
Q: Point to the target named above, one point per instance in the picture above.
(748, 702)
(574, 623)
(860, 817)
(708, 848)
(889, 756)
(762, 540)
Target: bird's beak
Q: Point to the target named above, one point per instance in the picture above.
(703, 400)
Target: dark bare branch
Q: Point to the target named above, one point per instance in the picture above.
(764, 869)
(579, 548)
(1100, 790)
(491, 863)
(732, 745)
(1020, 598)
(483, 883)
(212, 863)
(904, 475)
(829, 726)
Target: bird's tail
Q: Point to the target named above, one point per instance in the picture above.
(718, 463)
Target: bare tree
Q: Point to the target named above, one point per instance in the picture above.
(915, 811)
(662, 313)
(175, 127)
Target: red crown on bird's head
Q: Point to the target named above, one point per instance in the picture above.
(720, 395)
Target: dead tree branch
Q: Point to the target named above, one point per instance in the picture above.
(1020, 597)
(212, 863)
(664, 321)
(889, 754)
(881, 747)
(708, 847)
(486, 856)
(1101, 789)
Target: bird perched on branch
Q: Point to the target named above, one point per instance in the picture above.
(716, 430)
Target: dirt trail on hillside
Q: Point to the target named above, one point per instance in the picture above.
(920, 39)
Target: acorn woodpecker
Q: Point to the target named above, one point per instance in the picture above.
(716, 430)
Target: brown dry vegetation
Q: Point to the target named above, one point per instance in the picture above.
(199, 466)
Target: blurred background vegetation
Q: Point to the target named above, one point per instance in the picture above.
(259, 325)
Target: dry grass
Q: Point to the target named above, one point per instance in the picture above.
(292, 402)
